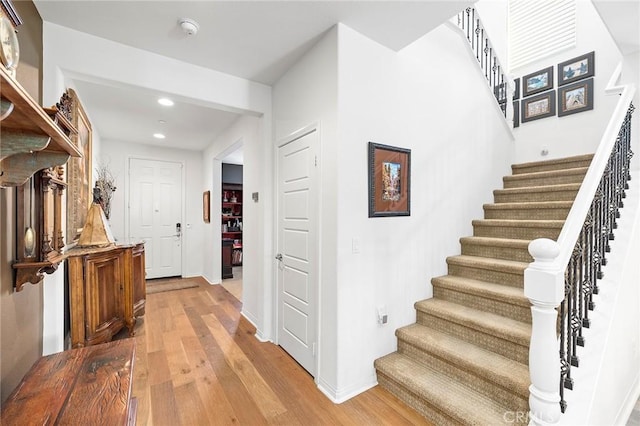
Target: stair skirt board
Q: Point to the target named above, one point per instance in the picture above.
(466, 359)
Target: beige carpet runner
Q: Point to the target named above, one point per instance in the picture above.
(465, 360)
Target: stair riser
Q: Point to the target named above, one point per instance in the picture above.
(526, 214)
(549, 167)
(526, 197)
(506, 309)
(506, 253)
(504, 278)
(427, 410)
(516, 233)
(487, 386)
(487, 341)
(542, 181)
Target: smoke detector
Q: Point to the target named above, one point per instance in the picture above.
(189, 26)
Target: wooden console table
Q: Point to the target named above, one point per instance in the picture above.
(87, 386)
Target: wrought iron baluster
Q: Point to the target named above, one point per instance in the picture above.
(589, 254)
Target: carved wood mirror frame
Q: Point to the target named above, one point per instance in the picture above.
(79, 196)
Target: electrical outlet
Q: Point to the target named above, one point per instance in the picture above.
(382, 315)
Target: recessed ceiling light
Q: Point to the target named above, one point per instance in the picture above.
(161, 121)
(165, 102)
(159, 136)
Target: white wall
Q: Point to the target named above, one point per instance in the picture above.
(305, 95)
(246, 131)
(72, 55)
(117, 155)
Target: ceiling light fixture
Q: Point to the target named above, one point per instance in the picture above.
(165, 102)
(159, 136)
(189, 26)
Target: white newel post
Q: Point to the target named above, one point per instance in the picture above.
(544, 287)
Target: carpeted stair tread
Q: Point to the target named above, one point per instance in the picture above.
(517, 229)
(456, 401)
(488, 365)
(530, 205)
(557, 163)
(561, 192)
(545, 223)
(488, 263)
(578, 171)
(496, 325)
(498, 248)
(539, 210)
(483, 289)
(497, 242)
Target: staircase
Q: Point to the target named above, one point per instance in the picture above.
(465, 360)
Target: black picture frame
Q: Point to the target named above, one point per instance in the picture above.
(516, 114)
(577, 68)
(516, 92)
(536, 82)
(389, 173)
(539, 106)
(575, 98)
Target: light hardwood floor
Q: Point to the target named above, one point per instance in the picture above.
(199, 363)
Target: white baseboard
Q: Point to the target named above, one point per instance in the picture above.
(339, 396)
(259, 334)
(629, 403)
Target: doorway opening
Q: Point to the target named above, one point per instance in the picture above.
(232, 200)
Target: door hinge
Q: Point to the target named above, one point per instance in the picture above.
(313, 349)
(315, 160)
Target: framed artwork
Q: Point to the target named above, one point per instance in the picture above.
(540, 106)
(389, 180)
(516, 114)
(575, 69)
(79, 195)
(575, 98)
(516, 92)
(206, 206)
(537, 82)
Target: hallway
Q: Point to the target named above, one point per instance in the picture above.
(198, 362)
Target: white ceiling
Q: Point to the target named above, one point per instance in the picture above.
(256, 40)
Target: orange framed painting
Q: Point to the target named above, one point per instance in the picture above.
(389, 180)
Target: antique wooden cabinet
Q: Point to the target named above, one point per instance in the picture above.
(106, 291)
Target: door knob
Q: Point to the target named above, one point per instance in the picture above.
(279, 257)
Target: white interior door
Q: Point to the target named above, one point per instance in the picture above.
(297, 271)
(155, 214)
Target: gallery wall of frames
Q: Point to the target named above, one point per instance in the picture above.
(537, 97)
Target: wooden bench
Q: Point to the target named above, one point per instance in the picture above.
(90, 385)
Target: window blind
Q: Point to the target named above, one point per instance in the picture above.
(539, 28)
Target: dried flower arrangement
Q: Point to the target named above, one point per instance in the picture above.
(106, 184)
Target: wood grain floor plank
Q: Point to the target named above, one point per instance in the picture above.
(159, 371)
(164, 409)
(232, 378)
(211, 393)
(177, 361)
(268, 402)
(244, 407)
(192, 410)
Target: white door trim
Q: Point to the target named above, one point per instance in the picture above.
(183, 207)
(300, 133)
